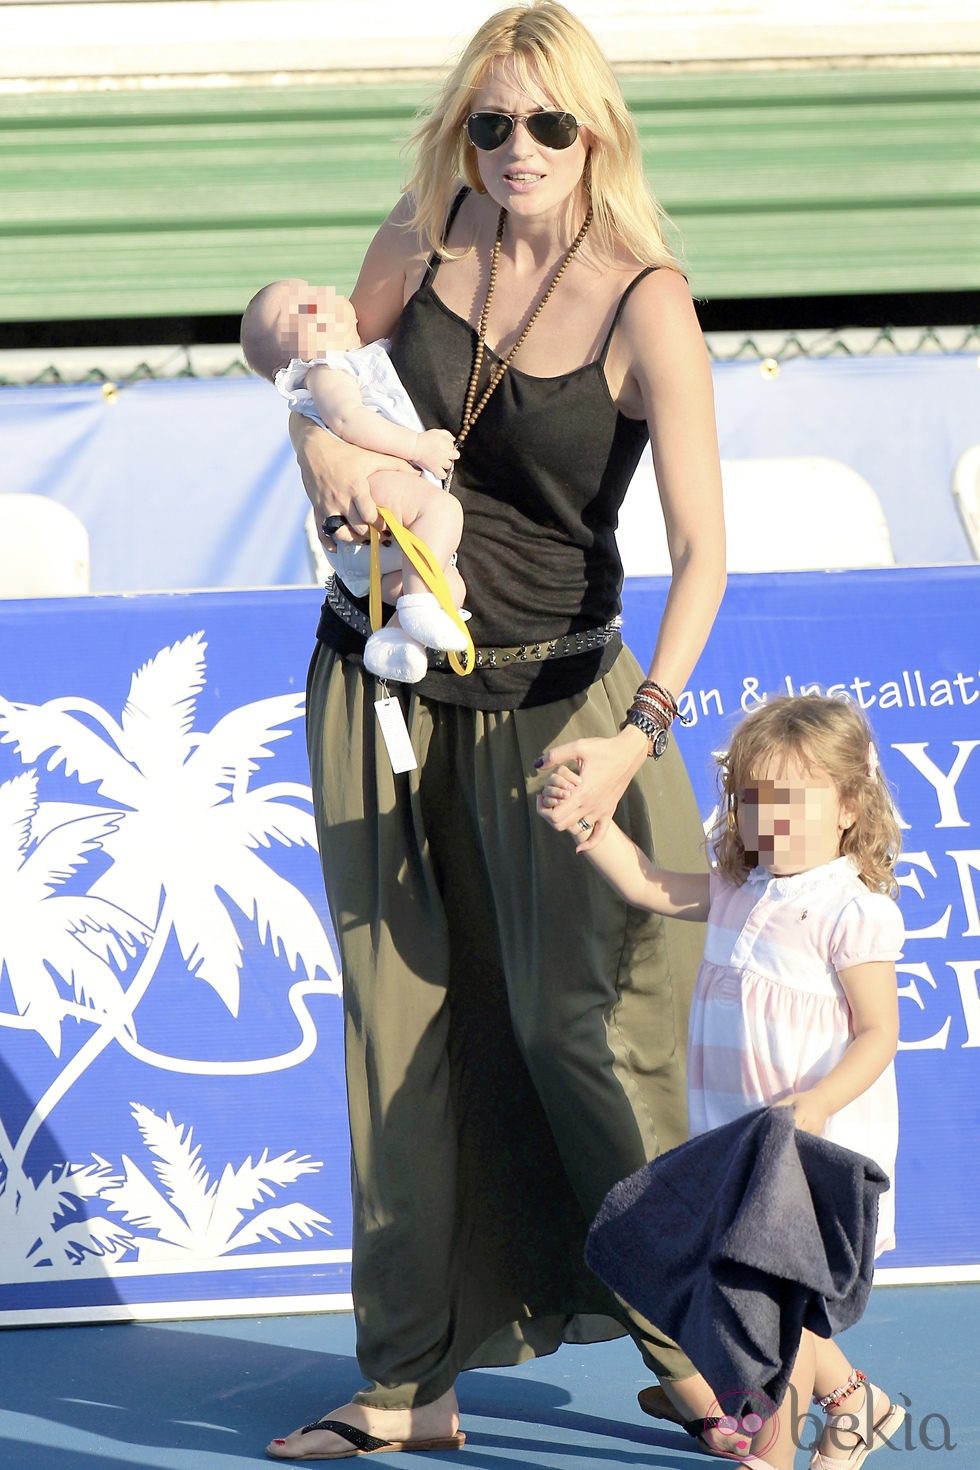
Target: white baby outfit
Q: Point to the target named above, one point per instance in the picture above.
(381, 389)
(769, 1016)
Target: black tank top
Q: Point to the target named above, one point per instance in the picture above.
(541, 477)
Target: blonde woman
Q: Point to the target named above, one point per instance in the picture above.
(797, 999)
(514, 1033)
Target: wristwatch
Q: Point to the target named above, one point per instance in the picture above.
(658, 744)
(657, 738)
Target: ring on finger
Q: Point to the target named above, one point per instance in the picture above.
(330, 525)
(585, 826)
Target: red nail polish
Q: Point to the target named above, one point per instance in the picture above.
(278, 1441)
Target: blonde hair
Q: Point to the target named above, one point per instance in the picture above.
(819, 732)
(552, 49)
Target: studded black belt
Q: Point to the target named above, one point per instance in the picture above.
(486, 658)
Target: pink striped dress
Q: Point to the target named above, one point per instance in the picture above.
(769, 1016)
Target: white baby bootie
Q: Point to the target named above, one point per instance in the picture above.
(391, 653)
(420, 615)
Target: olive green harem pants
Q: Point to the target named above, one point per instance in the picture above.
(514, 1033)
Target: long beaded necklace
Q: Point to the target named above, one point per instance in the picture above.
(472, 409)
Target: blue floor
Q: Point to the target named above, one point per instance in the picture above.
(208, 1395)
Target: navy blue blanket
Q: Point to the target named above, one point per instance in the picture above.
(737, 1240)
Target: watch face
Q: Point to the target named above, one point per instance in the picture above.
(660, 742)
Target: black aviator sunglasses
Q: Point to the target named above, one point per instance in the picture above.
(490, 130)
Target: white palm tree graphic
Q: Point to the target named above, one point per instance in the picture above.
(193, 1216)
(46, 936)
(184, 823)
(52, 1221)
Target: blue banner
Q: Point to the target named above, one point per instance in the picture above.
(192, 483)
(172, 1121)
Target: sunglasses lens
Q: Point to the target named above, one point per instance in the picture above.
(489, 130)
(553, 129)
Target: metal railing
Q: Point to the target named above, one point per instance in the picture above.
(117, 368)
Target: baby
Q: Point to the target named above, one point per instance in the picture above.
(304, 339)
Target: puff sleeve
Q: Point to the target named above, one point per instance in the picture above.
(869, 928)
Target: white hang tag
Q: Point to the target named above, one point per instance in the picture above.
(394, 731)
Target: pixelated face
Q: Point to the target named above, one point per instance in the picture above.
(791, 817)
(319, 320)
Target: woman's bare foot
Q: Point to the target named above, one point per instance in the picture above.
(693, 1399)
(438, 1420)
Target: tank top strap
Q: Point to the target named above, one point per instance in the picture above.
(640, 275)
(434, 261)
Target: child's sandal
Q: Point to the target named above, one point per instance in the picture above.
(873, 1427)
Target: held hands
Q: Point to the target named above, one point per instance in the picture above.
(602, 768)
(809, 1112)
(435, 451)
(561, 784)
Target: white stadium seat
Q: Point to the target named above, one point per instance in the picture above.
(781, 515)
(966, 493)
(44, 548)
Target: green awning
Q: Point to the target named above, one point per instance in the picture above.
(182, 202)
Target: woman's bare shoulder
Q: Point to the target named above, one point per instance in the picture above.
(663, 290)
(392, 266)
(658, 341)
(660, 315)
(397, 238)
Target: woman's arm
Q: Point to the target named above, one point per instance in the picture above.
(335, 474)
(670, 375)
(673, 373)
(393, 265)
(336, 478)
(872, 995)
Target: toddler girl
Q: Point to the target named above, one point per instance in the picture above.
(796, 1001)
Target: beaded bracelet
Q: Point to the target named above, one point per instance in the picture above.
(655, 709)
(651, 689)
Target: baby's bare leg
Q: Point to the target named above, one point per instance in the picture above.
(457, 586)
(437, 519)
(391, 589)
(431, 513)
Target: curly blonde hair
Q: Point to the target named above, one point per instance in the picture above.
(551, 49)
(830, 735)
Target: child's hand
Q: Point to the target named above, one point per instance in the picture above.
(809, 1113)
(435, 450)
(560, 785)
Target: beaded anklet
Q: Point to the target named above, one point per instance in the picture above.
(832, 1401)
